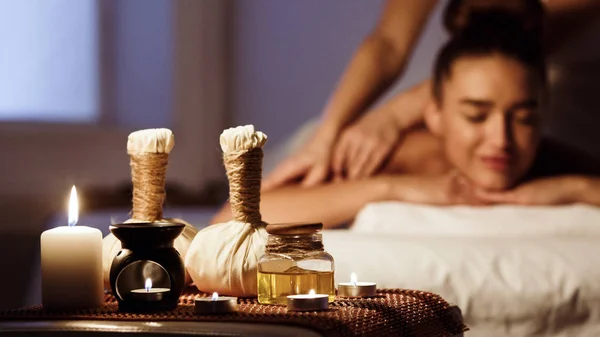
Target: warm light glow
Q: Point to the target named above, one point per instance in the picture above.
(353, 278)
(73, 208)
(148, 284)
(215, 296)
(311, 292)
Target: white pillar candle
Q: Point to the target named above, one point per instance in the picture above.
(71, 261)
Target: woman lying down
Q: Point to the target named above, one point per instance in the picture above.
(482, 144)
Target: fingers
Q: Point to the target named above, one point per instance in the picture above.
(315, 176)
(355, 158)
(338, 158)
(368, 160)
(362, 155)
(371, 166)
(288, 170)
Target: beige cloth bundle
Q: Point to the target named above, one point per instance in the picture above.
(149, 155)
(223, 258)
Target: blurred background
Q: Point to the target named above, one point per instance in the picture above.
(76, 77)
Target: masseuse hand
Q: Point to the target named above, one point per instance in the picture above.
(310, 165)
(364, 146)
(544, 191)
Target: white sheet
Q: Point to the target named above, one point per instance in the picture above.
(494, 221)
(514, 271)
(504, 287)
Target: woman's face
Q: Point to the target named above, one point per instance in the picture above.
(488, 119)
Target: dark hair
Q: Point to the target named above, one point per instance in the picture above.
(487, 32)
(457, 13)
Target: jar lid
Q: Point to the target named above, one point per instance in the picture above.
(294, 228)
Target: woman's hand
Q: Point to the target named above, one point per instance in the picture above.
(364, 146)
(310, 165)
(544, 191)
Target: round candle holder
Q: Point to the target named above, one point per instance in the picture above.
(308, 302)
(215, 305)
(148, 273)
(357, 289)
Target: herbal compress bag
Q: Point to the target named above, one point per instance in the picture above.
(224, 257)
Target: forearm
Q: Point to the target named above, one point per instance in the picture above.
(372, 69)
(587, 190)
(332, 204)
(379, 60)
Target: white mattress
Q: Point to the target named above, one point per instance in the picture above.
(513, 271)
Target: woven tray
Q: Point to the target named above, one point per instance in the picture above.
(394, 312)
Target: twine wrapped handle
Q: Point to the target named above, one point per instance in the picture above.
(244, 171)
(242, 155)
(149, 156)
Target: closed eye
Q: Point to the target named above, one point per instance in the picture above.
(526, 117)
(478, 117)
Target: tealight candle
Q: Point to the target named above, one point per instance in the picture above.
(149, 294)
(356, 289)
(308, 302)
(71, 263)
(216, 305)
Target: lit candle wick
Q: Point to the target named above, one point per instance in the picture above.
(148, 285)
(73, 207)
(311, 292)
(353, 279)
(215, 296)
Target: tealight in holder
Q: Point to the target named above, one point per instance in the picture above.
(148, 273)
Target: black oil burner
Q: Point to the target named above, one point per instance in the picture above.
(148, 273)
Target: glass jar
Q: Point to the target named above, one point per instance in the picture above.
(295, 263)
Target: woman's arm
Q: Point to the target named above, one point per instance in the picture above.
(379, 60)
(332, 204)
(559, 190)
(587, 190)
(336, 204)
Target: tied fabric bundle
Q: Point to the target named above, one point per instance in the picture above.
(149, 155)
(224, 257)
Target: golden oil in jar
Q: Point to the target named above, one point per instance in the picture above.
(295, 262)
(273, 288)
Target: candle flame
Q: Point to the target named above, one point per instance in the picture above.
(215, 296)
(311, 292)
(73, 207)
(353, 278)
(148, 284)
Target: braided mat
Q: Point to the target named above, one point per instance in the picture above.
(394, 312)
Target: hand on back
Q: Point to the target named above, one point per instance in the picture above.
(364, 146)
(309, 166)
